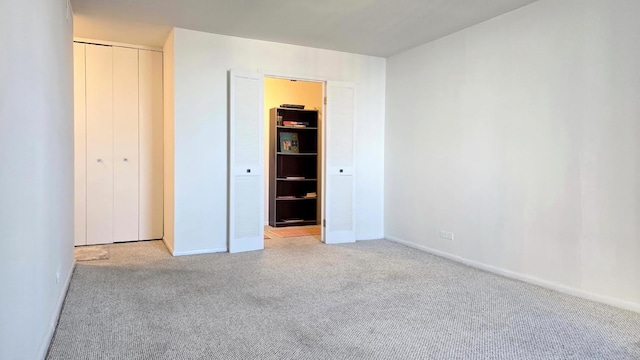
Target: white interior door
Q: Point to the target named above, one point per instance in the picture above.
(151, 145)
(246, 157)
(99, 137)
(339, 173)
(80, 146)
(125, 144)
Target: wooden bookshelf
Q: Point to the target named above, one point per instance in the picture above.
(293, 167)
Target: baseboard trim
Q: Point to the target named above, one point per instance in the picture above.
(198, 252)
(622, 304)
(44, 348)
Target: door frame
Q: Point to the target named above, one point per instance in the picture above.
(289, 76)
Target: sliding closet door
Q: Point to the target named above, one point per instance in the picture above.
(339, 167)
(80, 143)
(151, 145)
(246, 158)
(125, 144)
(99, 100)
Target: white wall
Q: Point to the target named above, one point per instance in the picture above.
(201, 64)
(522, 136)
(168, 168)
(36, 172)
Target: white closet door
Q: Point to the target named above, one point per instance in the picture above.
(151, 145)
(339, 167)
(80, 146)
(125, 144)
(99, 97)
(246, 157)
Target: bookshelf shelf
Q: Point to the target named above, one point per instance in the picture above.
(293, 166)
(283, 179)
(295, 199)
(294, 223)
(297, 154)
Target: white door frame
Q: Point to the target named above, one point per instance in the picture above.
(288, 76)
(271, 74)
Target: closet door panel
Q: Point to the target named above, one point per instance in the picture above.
(151, 145)
(339, 178)
(246, 162)
(125, 144)
(80, 146)
(99, 137)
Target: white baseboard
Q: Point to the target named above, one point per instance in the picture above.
(173, 252)
(367, 239)
(44, 348)
(198, 252)
(622, 304)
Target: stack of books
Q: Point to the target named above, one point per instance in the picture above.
(295, 123)
(292, 106)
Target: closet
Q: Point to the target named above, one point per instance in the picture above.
(118, 144)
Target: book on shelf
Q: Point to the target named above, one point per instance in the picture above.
(292, 106)
(295, 123)
(310, 195)
(295, 178)
(288, 142)
(285, 197)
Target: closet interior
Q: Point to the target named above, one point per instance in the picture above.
(293, 167)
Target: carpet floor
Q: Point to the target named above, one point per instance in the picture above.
(306, 300)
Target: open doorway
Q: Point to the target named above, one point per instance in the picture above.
(246, 166)
(293, 119)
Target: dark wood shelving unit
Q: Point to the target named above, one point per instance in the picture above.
(293, 172)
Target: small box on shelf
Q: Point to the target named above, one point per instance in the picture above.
(289, 142)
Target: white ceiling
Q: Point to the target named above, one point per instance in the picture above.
(372, 27)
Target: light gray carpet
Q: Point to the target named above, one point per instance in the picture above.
(300, 299)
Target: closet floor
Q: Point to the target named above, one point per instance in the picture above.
(292, 231)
